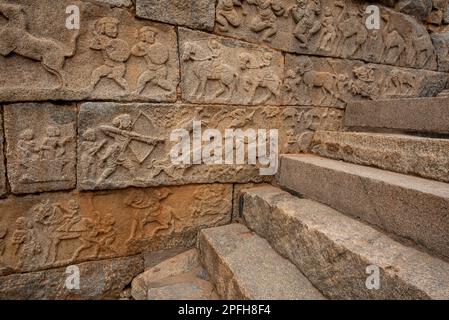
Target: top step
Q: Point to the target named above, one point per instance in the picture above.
(429, 115)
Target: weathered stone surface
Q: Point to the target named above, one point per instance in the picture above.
(112, 56)
(2, 163)
(104, 279)
(146, 160)
(334, 251)
(418, 8)
(411, 207)
(413, 115)
(236, 198)
(243, 266)
(441, 43)
(424, 157)
(333, 82)
(223, 70)
(179, 278)
(56, 229)
(195, 14)
(41, 146)
(115, 3)
(329, 28)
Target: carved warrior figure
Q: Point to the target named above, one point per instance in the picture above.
(259, 75)
(14, 38)
(306, 16)
(148, 209)
(156, 56)
(365, 84)
(50, 154)
(210, 66)
(227, 15)
(24, 242)
(117, 152)
(265, 20)
(115, 53)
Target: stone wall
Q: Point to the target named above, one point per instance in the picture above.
(85, 173)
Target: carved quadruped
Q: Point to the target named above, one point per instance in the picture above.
(220, 70)
(333, 82)
(332, 28)
(111, 56)
(50, 230)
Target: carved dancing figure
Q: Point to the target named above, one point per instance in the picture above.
(259, 76)
(210, 67)
(24, 241)
(27, 152)
(53, 145)
(115, 52)
(90, 148)
(14, 38)
(156, 56)
(115, 155)
(306, 16)
(265, 20)
(329, 31)
(227, 15)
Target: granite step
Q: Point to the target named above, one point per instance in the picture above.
(410, 207)
(412, 115)
(340, 255)
(424, 157)
(243, 266)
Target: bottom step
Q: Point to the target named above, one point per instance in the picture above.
(244, 266)
(334, 250)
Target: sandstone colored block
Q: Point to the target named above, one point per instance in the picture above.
(41, 146)
(195, 14)
(413, 115)
(335, 82)
(104, 279)
(56, 229)
(334, 250)
(419, 156)
(243, 266)
(113, 56)
(179, 278)
(223, 70)
(411, 207)
(2, 163)
(328, 28)
(441, 43)
(144, 159)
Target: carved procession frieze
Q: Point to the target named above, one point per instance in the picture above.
(333, 28)
(123, 145)
(222, 70)
(333, 82)
(111, 56)
(41, 146)
(56, 229)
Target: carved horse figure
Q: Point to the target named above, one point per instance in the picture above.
(210, 68)
(14, 38)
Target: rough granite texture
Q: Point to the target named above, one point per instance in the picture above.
(243, 266)
(334, 250)
(411, 207)
(419, 156)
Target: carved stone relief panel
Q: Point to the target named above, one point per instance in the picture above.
(55, 229)
(41, 146)
(2, 162)
(123, 145)
(333, 28)
(333, 82)
(222, 70)
(111, 56)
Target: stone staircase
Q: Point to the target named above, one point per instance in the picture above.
(386, 207)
